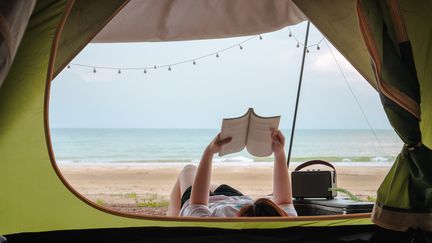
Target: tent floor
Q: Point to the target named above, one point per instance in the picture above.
(358, 233)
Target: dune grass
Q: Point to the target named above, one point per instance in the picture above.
(351, 196)
(149, 200)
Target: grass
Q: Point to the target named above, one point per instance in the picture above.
(132, 195)
(370, 199)
(149, 200)
(152, 204)
(100, 202)
(152, 200)
(351, 196)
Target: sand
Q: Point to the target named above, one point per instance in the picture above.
(144, 188)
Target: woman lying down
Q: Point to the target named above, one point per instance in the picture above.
(194, 196)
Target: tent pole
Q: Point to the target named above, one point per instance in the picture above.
(298, 94)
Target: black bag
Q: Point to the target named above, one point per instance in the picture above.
(311, 207)
(313, 183)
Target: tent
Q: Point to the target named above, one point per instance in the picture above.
(388, 42)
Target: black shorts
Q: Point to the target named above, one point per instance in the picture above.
(220, 190)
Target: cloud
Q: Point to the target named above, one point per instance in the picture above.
(324, 62)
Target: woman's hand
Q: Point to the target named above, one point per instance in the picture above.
(278, 142)
(216, 144)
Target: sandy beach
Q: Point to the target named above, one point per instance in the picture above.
(145, 188)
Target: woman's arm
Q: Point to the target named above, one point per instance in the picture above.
(201, 184)
(281, 181)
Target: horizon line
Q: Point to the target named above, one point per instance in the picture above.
(212, 128)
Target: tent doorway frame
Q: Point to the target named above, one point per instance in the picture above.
(364, 218)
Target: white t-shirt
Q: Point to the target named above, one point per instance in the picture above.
(224, 206)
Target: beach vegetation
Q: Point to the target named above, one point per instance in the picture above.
(152, 200)
(347, 193)
(353, 197)
(131, 195)
(148, 203)
(100, 202)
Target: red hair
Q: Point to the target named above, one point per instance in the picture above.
(262, 207)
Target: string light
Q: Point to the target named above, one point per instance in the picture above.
(194, 60)
(299, 43)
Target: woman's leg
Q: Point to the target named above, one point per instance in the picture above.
(174, 202)
(184, 180)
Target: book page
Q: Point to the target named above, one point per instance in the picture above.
(236, 128)
(259, 142)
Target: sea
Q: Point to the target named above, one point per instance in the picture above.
(137, 146)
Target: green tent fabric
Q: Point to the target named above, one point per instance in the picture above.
(405, 196)
(36, 198)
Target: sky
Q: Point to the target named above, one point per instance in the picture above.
(263, 75)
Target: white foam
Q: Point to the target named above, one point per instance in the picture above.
(221, 164)
(238, 159)
(230, 160)
(379, 159)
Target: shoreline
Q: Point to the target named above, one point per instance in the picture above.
(228, 164)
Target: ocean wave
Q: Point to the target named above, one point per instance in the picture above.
(343, 161)
(337, 159)
(380, 159)
(238, 159)
(231, 164)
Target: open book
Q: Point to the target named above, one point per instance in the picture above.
(251, 131)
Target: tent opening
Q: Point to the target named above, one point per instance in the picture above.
(126, 118)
